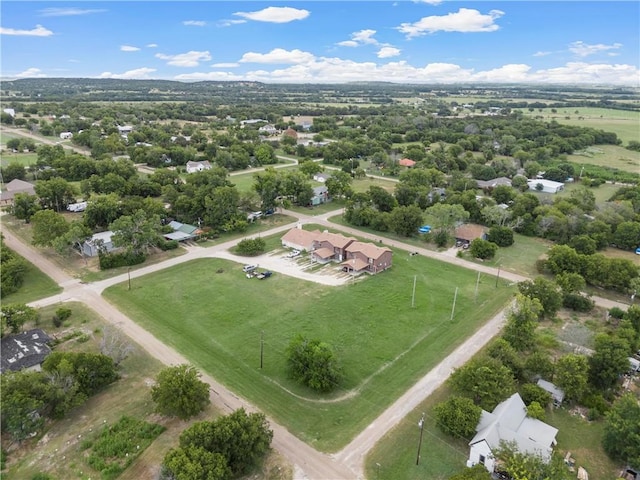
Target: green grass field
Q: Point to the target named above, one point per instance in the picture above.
(211, 313)
(611, 156)
(625, 123)
(25, 159)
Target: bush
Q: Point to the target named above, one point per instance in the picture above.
(57, 321)
(501, 236)
(251, 247)
(577, 302)
(123, 259)
(313, 363)
(483, 249)
(63, 313)
(165, 245)
(616, 313)
(441, 238)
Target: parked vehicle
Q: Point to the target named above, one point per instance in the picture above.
(293, 253)
(263, 275)
(425, 229)
(249, 268)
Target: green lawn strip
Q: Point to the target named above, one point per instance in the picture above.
(395, 456)
(244, 181)
(7, 158)
(119, 444)
(36, 285)
(320, 209)
(216, 320)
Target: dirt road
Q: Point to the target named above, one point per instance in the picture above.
(308, 463)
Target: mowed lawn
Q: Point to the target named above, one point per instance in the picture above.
(210, 312)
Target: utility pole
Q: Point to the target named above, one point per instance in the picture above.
(421, 425)
(498, 276)
(129, 277)
(261, 347)
(413, 295)
(477, 282)
(453, 308)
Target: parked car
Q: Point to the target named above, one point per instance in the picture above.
(425, 229)
(293, 253)
(249, 268)
(263, 275)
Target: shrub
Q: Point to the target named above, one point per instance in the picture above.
(483, 249)
(501, 236)
(63, 313)
(577, 302)
(165, 245)
(441, 238)
(123, 259)
(616, 313)
(57, 321)
(251, 247)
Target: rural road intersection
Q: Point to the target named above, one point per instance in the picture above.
(309, 464)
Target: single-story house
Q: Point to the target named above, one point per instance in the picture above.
(509, 422)
(10, 111)
(26, 350)
(366, 257)
(545, 186)
(268, 130)
(494, 182)
(469, 232)
(124, 129)
(406, 162)
(557, 394)
(330, 246)
(13, 187)
(182, 231)
(201, 166)
(321, 177)
(299, 239)
(66, 135)
(99, 241)
(320, 195)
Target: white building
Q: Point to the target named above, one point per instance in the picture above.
(193, 167)
(546, 186)
(66, 135)
(509, 422)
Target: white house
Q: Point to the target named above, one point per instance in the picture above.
(101, 240)
(10, 111)
(124, 129)
(509, 423)
(66, 135)
(321, 177)
(193, 167)
(268, 130)
(547, 186)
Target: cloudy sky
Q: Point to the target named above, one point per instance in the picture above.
(421, 41)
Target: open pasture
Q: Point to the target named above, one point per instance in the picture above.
(210, 312)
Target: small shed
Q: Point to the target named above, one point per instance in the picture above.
(99, 241)
(557, 394)
(634, 365)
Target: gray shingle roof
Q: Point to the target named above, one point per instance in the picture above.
(24, 350)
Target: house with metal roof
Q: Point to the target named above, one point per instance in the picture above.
(557, 394)
(26, 350)
(97, 243)
(509, 423)
(182, 231)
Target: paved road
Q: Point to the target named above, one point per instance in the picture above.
(309, 463)
(39, 138)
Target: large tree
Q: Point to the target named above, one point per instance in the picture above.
(546, 291)
(15, 315)
(137, 232)
(179, 392)
(608, 362)
(621, 438)
(313, 363)
(194, 463)
(24, 206)
(406, 221)
(522, 322)
(458, 416)
(572, 375)
(486, 381)
(47, 227)
(56, 193)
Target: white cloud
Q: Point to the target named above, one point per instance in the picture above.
(464, 20)
(129, 48)
(195, 23)
(541, 54)
(189, 59)
(31, 73)
(337, 70)
(278, 55)
(152, 45)
(68, 12)
(39, 31)
(226, 65)
(138, 73)
(430, 2)
(388, 52)
(228, 23)
(275, 14)
(361, 37)
(582, 49)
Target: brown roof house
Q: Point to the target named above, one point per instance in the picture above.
(330, 246)
(26, 350)
(469, 232)
(13, 187)
(366, 257)
(299, 239)
(407, 162)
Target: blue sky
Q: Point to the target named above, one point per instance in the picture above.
(403, 41)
